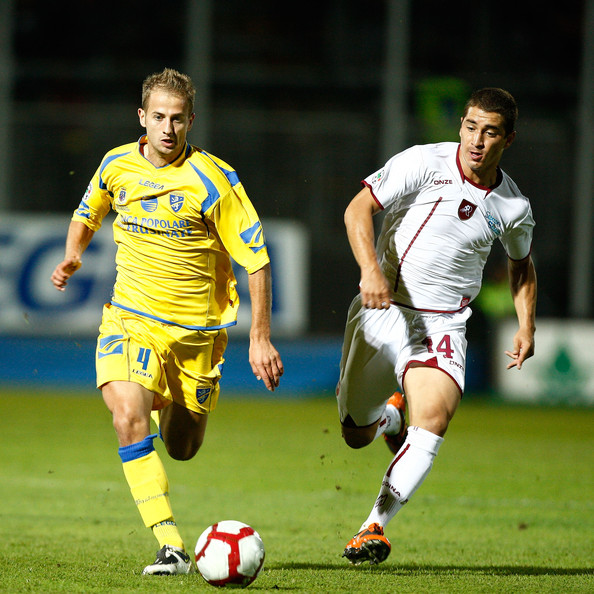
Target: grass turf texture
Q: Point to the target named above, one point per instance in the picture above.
(507, 508)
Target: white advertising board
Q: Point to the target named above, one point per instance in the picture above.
(562, 369)
(31, 246)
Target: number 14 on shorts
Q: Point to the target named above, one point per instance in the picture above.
(444, 346)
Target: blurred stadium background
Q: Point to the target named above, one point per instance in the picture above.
(304, 100)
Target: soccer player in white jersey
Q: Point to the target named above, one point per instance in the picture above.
(445, 204)
(182, 214)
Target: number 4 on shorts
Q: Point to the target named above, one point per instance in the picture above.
(444, 347)
(143, 357)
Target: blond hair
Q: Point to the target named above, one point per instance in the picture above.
(171, 81)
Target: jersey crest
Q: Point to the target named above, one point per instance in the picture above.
(466, 210)
(176, 201)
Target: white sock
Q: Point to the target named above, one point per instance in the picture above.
(404, 476)
(390, 421)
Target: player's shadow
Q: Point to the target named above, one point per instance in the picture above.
(403, 570)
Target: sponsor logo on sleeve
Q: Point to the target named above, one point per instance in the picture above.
(378, 177)
(254, 237)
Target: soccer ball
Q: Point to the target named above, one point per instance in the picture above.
(229, 553)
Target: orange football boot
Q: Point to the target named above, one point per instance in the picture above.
(368, 545)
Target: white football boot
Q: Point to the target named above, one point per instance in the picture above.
(170, 561)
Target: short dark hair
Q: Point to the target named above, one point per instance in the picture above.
(171, 81)
(494, 100)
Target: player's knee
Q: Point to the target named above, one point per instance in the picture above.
(182, 449)
(356, 437)
(355, 441)
(129, 428)
(435, 420)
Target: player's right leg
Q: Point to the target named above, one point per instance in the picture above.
(130, 405)
(395, 435)
(369, 544)
(367, 377)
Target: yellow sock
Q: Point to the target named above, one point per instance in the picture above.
(149, 486)
(167, 533)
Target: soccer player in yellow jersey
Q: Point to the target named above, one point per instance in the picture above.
(182, 214)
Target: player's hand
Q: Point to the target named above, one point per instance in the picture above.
(266, 363)
(375, 290)
(523, 348)
(64, 270)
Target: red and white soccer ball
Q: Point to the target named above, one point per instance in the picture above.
(229, 553)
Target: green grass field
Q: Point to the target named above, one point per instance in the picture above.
(508, 506)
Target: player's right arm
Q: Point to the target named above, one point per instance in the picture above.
(358, 219)
(78, 238)
(86, 220)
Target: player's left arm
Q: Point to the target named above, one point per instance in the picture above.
(242, 235)
(522, 279)
(264, 358)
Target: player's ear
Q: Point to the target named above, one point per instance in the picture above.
(511, 137)
(142, 117)
(191, 121)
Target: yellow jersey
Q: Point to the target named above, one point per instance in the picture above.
(176, 228)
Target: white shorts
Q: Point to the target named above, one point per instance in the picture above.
(380, 345)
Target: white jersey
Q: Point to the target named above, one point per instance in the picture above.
(439, 226)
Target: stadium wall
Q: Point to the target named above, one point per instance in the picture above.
(31, 246)
(67, 363)
(50, 363)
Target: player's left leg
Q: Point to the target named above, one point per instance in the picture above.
(433, 398)
(192, 369)
(181, 445)
(182, 430)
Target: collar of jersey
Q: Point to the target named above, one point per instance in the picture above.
(183, 155)
(498, 179)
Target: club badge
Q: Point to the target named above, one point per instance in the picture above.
(466, 210)
(176, 201)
